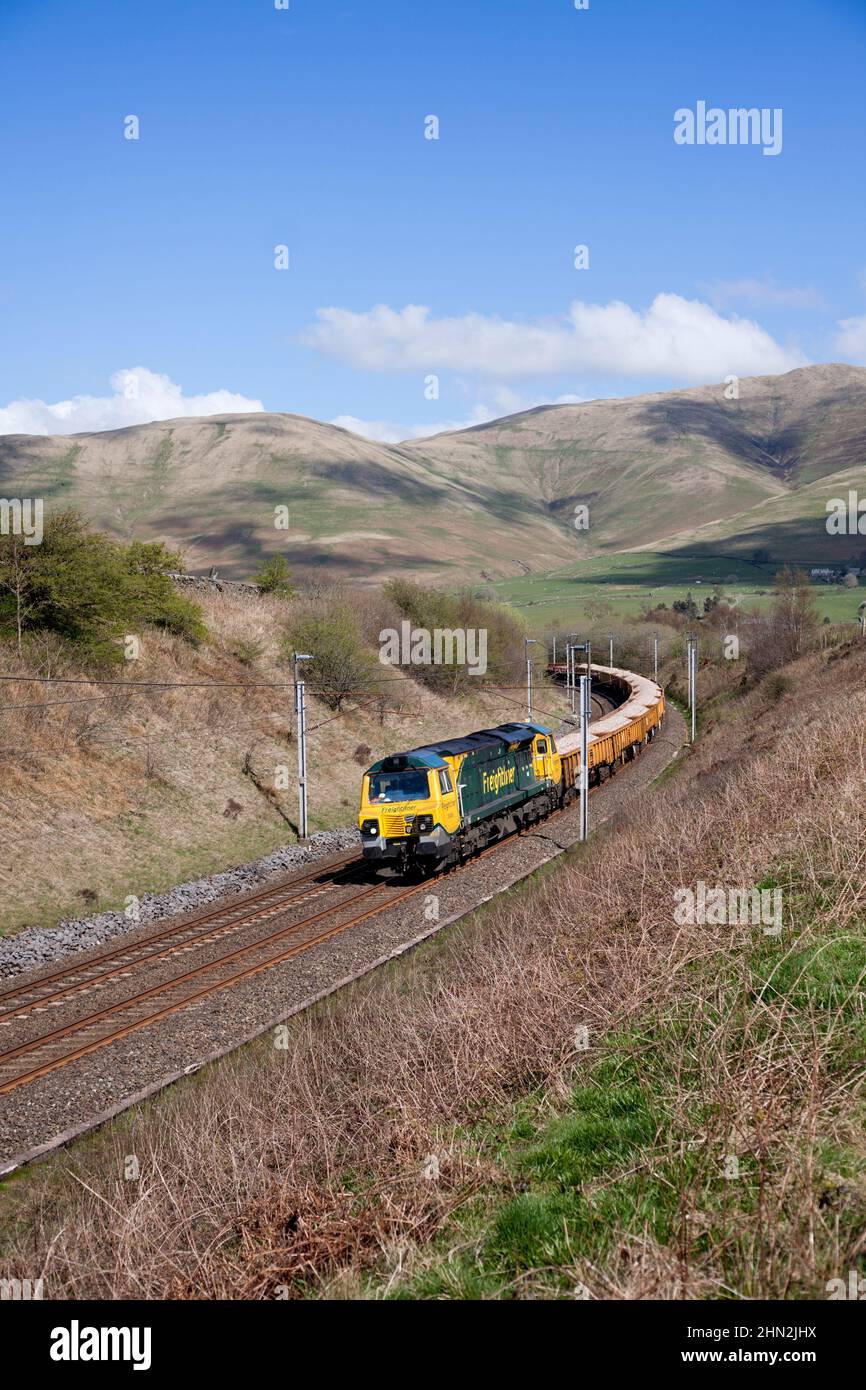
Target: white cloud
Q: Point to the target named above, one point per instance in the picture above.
(851, 340)
(509, 402)
(383, 430)
(675, 337)
(506, 402)
(139, 396)
(387, 432)
(766, 292)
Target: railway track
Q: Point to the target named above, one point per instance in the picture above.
(181, 935)
(39, 1051)
(45, 1052)
(599, 705)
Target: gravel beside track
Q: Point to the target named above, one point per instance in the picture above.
(66, 1102)
(35, 946)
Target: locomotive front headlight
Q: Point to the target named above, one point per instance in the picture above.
(424, 825)
(370, 828)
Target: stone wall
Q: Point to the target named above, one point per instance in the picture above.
(209, 583)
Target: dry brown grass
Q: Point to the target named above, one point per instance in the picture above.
(277, 1171)
(129, 791)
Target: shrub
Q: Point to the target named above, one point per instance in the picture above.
(341, 664)
(433, 608)
(247, 650)
(89, 589)
(275, 577)
(661, 614)
(775, 686)
(686, 606)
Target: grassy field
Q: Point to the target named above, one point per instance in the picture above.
(619, 587)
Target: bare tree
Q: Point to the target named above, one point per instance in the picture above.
(791, 628)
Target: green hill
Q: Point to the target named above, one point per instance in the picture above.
(685, 472)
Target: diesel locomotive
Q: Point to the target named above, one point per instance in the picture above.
(437, 805)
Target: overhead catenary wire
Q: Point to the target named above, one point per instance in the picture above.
(366, 697)
(50, 704)
(361, 693)
(169, 685)
(363, 697)
(211, 684)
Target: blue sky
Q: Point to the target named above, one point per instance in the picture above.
(262, 127)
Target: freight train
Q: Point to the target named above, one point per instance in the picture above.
(438, 805)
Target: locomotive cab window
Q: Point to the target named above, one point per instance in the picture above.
(399, 786)
(445, 780)
(542, 745)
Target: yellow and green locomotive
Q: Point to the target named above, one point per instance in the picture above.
(439, 804)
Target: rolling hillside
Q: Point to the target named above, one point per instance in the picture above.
(683, 471)
(210, 486)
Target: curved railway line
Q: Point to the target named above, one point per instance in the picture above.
(181, 935)
(349, 899)
(45, 1052)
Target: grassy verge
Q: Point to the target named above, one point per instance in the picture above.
(669, 1170)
